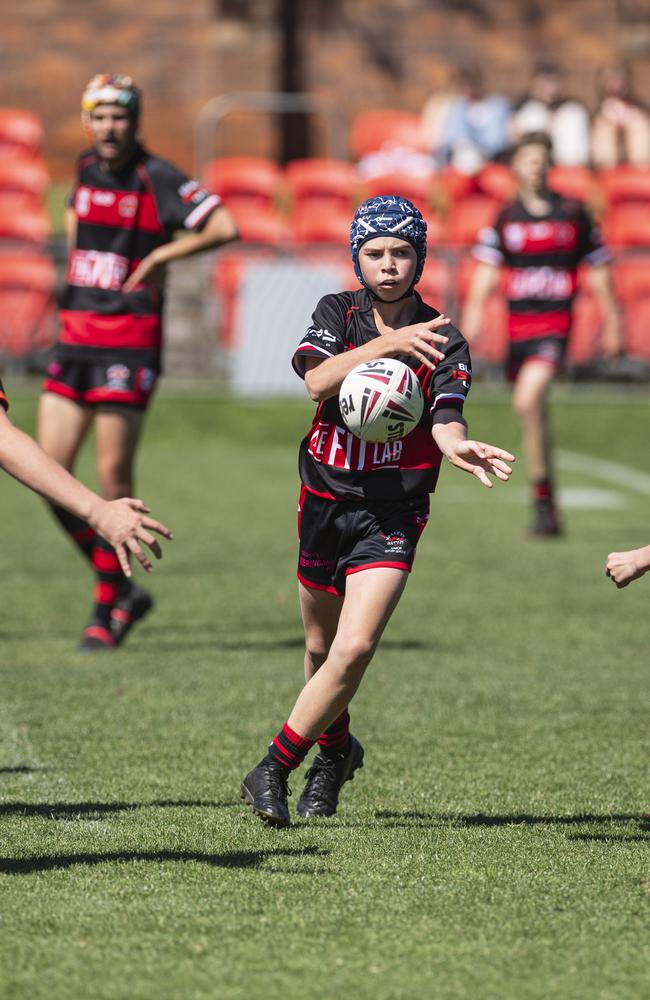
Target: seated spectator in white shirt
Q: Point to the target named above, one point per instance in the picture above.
(547, 109)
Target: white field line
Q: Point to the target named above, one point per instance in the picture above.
(608, 472)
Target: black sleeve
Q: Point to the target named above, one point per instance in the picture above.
(4, 402)
(452, 379)
(182, 203)
(325, 336)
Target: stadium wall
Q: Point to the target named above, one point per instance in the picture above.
(357, 54)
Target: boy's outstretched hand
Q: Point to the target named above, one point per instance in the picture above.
(479, 459)
(124, 524)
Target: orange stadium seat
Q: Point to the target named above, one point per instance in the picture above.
(328, 180)
(435, 286)
(258, 224)
(497, 180)
(468, 216)
(20, 130)
(372, 130)
(419, 190)
(637, 328)
(25, 174)
(316, 222)
(253, 177)
(627, 224)
(21, 221)
(493, 341)
(625, 183)
(572, 182)
(27, 305)
(631, 276)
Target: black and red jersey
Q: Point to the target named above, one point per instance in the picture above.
(336, 464)
(541, 255)
(121, 217)
(4, 402)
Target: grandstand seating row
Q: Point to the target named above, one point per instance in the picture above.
(311, 200)
(27, 272)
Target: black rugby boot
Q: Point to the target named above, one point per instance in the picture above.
(546, 522)
(131, 605)
(265, 790)
(324, 779)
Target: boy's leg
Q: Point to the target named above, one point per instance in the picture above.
(370, 599)
(531, 406)
(62, 427)
(118, 430)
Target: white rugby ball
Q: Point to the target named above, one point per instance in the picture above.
(381, 400)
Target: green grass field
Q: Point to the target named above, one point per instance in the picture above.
(493, 845)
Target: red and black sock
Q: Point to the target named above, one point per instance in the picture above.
(288, 748)
(110, 579)
(542, 489)
(336, 738)
(81, 533)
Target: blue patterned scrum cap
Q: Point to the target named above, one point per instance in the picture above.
(389, 215)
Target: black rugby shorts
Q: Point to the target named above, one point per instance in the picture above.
(548, 349)
(338, 538)
(93, 382)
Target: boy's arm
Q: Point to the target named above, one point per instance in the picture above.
(122, 522)
(220, 228)
(484, 280)
(612, 337)
(323, 378)
(475, 457)
(624, 567)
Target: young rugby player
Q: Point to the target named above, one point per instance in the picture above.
(126, 206)
(122, 523)
(362, 510)
(540, 238)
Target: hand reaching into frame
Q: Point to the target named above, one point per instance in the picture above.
(124, 524)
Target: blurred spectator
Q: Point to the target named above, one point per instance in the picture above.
(435, 114)
(621, 125)
(474, 124)
(546, 108)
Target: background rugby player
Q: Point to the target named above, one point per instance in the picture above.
(124, 211)
(540, 238)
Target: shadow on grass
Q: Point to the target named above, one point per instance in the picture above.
(84, 810)
(18, 770)
(613, 838)
(398, 819)
(245, 645)
(230, 859)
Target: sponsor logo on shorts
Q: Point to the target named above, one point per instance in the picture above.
(54, 368)
(145, 379)
(550, 350)
(117, 377)
(313, 560)
(396, 543)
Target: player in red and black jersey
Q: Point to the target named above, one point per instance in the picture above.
(364, 506)
(125, 209)
(539, 239)
(123, 523)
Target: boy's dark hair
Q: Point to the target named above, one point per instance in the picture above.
(533, 139)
